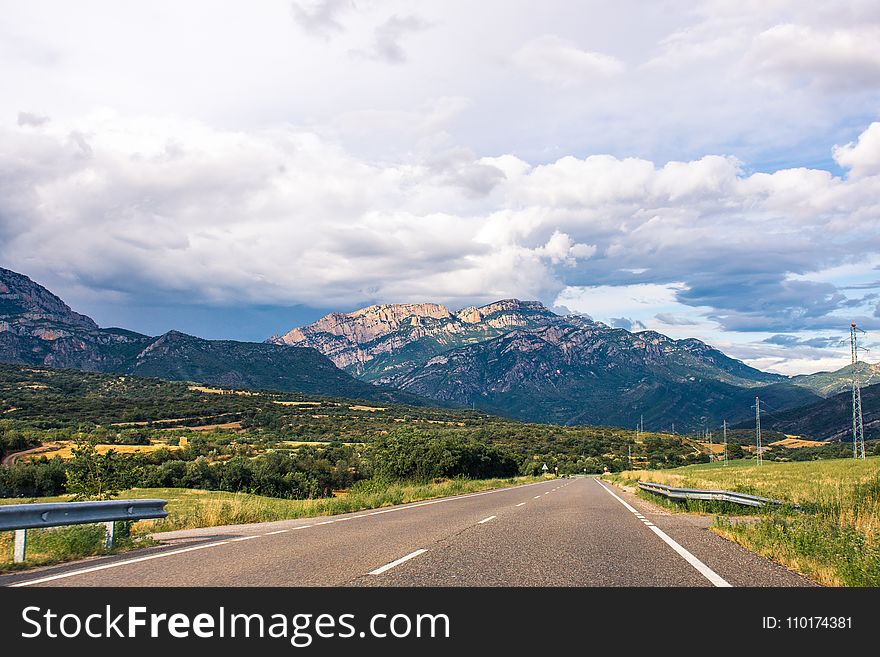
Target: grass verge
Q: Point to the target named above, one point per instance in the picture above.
(834, 539)
(59, 544)
(190, 509)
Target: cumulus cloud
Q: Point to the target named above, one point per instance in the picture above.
(559, 61)
(284, 215)
(862, 158)
(801, 55)
(561, 250)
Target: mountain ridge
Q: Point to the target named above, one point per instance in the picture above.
(511, 357)
(520, 359)
(37, 328)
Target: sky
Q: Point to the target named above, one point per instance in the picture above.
(232, 169)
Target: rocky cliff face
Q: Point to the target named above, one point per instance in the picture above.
(518, 358)
(380, 341)
(30, 309)
(38, 328)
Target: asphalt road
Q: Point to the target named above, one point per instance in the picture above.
(566, 532)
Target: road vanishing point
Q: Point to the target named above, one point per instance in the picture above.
(560, 532)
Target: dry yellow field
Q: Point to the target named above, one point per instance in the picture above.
(64, 449)
(297, 403)
(218, 391)
(796, 443)
(211, 427)
(371, 409)
(715, 448)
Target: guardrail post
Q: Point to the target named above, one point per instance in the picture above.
(20, 545)
(111, 534)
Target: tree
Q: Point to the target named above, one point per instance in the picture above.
(91, 475)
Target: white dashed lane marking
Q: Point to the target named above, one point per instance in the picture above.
(171, 553)
(397, 562)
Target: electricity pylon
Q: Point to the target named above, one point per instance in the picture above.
(760, 458)
(858, 427)
(725, 442)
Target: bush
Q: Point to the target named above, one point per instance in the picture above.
(42, 478)
(421, 457)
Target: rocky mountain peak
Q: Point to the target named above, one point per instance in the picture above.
(474, 315)
(28, 308)
(368, 323)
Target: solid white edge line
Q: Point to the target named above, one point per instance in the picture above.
(484, 520)
(397, 562)
(698, 565)
(116, 564)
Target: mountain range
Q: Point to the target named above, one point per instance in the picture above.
(519, 359)
(513, 358)
(38, 328)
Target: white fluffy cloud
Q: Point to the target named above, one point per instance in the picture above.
(553, 59)
(862, 158)
(285, 216)
(461, 158)
(802, 55)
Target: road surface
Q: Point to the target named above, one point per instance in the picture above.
(564, 532)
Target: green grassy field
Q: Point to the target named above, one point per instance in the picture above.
(834, 538)
(189, 509)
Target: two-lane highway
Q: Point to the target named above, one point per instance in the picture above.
(568, 532)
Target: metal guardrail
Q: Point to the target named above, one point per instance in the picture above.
(21, 517)
(713, 495)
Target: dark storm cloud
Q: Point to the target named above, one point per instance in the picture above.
(627, 324)
(762, 302)
(794, 341)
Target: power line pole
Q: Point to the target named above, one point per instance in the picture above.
(725, 442)
(629, 455)
(858, 427)
(711, 453)
(758, 429)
